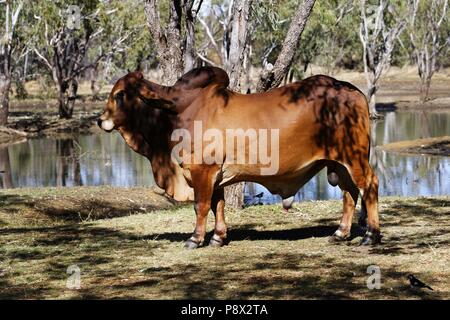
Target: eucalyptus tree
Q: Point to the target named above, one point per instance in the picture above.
(429, 35)
(272, 77)
(125, 42)
(382, 22)
(66, 33)
(10, 49)
(175, 45)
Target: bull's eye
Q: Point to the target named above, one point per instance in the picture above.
(119, 97)
(120, 94)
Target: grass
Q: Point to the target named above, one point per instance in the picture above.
(128, 243)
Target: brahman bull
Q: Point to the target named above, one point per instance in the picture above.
(319, 121)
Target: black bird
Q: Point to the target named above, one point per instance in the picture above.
(416, 283)
(259, 195)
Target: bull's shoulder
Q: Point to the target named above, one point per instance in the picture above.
(203, 77)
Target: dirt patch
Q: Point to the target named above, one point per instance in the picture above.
(78, 204)
(271, 254)
(439, 146)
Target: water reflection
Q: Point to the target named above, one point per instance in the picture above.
(87, 160)
(5, 169)
(106, 159)
(399, 175)
(67, 163)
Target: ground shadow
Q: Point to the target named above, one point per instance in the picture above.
(244, 232)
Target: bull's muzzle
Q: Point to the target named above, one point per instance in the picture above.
(107, 125)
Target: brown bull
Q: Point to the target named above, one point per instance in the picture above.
(318, 122)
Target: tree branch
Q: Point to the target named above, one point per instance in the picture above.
(271, 79)
(40, 56)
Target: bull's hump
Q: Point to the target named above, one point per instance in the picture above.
(203, 77)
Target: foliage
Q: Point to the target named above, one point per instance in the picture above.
(330, 38)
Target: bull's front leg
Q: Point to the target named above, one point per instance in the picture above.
(220, 229)
(202, 181)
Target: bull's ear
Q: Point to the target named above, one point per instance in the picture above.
(145, 90)
(151, 98)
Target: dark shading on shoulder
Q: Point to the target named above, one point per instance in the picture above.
(306, 88)
(330, 81)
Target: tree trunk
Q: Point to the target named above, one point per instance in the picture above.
(66, 99)
(95, 90)
(272, 78)
(168, 41)
(234, 194)
(238, 41)
(190, 59)
(5, 86)
(371, 99)
(95, 87)
(372, 106)
(425, 84)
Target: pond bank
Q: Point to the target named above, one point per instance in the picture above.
(31, 119)
(439, 146)
(124, 251)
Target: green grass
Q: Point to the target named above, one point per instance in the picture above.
(128, 243)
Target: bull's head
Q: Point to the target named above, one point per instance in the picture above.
(130, 93)
(132, 108)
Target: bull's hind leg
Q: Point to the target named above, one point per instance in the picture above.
(358, 179)
(339, 175)
(218, 208)
(370, 198)
(367, 182)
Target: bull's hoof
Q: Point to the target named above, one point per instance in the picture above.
(192, 244)
(339, 236)
(215, 242)
(371, 238)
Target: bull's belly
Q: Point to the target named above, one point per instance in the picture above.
(285, 182)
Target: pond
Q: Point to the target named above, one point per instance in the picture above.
(105, 159)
